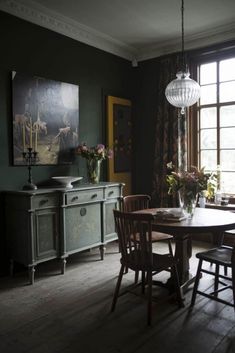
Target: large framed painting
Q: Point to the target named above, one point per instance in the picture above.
(45, 119)
(119, 137)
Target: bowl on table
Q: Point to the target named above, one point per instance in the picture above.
(66, 181)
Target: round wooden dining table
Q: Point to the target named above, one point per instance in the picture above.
(204, 220)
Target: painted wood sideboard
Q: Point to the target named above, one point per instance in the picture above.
(52, 223)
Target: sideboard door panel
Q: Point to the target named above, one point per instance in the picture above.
(109, 224)
(83, 226)
(46, 231)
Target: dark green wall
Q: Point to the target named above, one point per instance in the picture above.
(31, 49)
(146, 103)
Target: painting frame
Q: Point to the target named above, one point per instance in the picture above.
(119, 138)
(45, 119)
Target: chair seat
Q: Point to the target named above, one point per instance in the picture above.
(220, 256)
(157, 236)
(134, 261)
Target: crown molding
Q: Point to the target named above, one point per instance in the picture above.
(213, 36)
(40, 15)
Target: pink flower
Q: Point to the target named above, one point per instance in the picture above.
(98, 152)
(84, 148)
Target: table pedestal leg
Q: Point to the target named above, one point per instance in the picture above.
(183, 252)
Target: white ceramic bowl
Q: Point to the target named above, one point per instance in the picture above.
(66, 181)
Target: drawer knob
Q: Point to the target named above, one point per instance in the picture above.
(94, 196)
(110, 193)
(83, 211)
(43, 202)
(75, 198)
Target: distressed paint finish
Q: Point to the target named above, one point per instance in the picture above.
(54, 223)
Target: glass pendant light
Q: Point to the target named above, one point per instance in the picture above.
(183, 91)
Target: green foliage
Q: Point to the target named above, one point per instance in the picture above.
(194, 180)
(212, 185)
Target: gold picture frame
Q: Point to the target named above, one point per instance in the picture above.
(119, 138)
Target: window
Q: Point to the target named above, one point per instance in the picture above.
(216, 119)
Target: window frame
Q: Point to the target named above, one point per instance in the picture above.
(196, 60)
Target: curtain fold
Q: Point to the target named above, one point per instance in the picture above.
(166, 134)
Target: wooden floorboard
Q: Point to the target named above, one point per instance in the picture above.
(71, 313)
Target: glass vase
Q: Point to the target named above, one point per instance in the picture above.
(188, 201)
(93, 170)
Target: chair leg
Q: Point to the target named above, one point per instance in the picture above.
(149, 304)
(196, 283)
(225, 270)
(143, 282)
(216, 283)
(170, 247)
(116, 292)
(136, 276)
(233, 282)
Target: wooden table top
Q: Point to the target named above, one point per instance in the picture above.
(203, 220)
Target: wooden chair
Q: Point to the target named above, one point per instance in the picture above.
(223, 256)
(229, 239)
(135, 239)
(133, 203)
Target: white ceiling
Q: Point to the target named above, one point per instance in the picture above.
(132, 29)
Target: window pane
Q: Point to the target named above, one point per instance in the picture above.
(217, 80)
(208, 94)
(227, 70)
(208, 73)
(227, 115)
(227, 137)
(208, 118)
(227, 160)
(228, 182)
(209, 159)
(227, 92)
(208, 138)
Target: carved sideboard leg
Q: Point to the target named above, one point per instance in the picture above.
(31, 270)
(102, 251)
(63, 265)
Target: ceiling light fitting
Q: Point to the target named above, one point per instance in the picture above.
(183, 91)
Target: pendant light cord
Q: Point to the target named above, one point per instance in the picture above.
(182, 30)
(182, 92)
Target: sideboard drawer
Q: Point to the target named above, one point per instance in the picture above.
(112, 192)
(84, 196)
(44, 201)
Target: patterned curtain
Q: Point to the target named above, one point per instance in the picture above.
(169, 133)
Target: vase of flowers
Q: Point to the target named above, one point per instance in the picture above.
(93, 170)
(188, 184)
(187, 201)
(94, 157)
